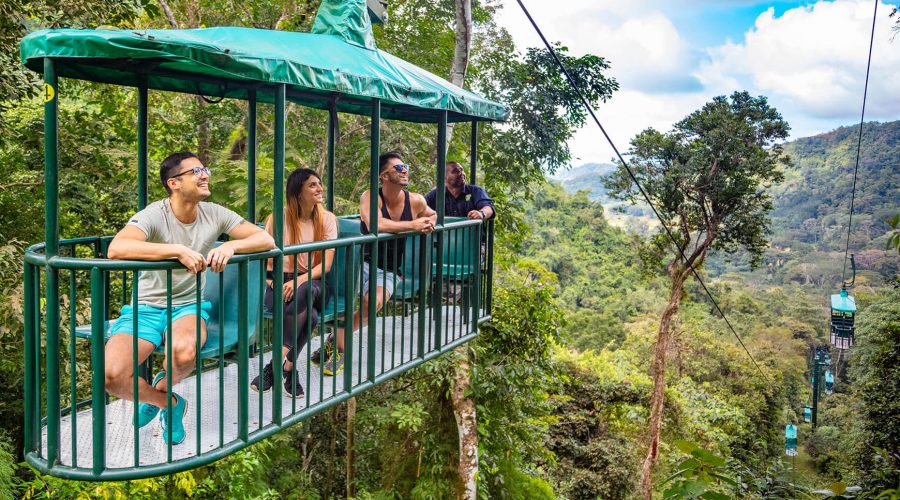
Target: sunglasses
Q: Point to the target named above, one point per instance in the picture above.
(198, 171)
(400, 167)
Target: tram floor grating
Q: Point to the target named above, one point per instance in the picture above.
(120, 449)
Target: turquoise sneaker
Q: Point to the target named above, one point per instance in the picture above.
(146, 411)
(180, 410)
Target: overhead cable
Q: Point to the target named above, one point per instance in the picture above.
(859, 147)
(644, 193)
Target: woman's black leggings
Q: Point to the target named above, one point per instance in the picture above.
(305, 315)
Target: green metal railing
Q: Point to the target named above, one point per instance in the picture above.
(75, 430)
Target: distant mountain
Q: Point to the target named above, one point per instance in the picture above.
(589, 177)
(809, 222)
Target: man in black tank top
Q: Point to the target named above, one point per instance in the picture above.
(399, 211)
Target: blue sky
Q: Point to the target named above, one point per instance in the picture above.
(712, 23)
(670, 57)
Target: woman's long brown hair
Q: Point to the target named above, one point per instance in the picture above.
(295, 183)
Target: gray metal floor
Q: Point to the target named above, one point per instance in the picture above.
(392, 351)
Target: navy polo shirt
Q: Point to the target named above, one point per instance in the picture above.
(472, 197)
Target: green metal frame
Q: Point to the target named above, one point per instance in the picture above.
(44, 262)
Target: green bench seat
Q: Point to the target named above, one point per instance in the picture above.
(226, 327)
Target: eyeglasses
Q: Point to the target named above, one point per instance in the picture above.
(400, 167)
(198, 171)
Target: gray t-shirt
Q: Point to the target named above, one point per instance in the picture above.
(161, 226)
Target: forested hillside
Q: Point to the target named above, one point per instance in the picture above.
(561, 375)
(809, 223)
(811, 208)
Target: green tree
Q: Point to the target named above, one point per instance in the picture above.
(876, 373)
(707, 178)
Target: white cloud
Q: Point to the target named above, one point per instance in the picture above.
(644, 47)
(812, 61)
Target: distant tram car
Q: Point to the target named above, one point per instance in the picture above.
(843, 311)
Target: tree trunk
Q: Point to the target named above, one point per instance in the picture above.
(461, 50)
(466, 426)
(463, 405)
(351, 414)
(658, 370)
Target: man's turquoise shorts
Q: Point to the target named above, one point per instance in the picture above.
(152, 321)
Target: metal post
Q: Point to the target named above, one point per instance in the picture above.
(278, 230)
(375, 146)
(98, 362)
(244, 355)
(51, 238)
(51, 177)
(816, 377)
(473, 152)
(30, 345)
(251, 158)
(142, 142)
(329, 165)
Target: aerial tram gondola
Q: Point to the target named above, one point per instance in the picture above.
(790, 440)
(843, 314)
(74, 430)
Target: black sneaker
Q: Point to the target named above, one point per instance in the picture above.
(292, 387)
(268, 379)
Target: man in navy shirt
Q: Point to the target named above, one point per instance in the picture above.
(462, 200)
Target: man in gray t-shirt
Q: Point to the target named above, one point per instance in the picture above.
(181, 227)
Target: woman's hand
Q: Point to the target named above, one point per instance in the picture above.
(288, 289)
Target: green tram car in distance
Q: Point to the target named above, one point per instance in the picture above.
(79, 432)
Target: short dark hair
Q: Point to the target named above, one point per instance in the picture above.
(170, 165)
(454, 164)
(383, 160)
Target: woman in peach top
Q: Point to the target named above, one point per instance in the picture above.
(305, 220)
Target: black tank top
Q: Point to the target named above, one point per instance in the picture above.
(389, 251)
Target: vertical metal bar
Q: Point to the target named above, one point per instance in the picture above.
(403, 303)
(51, 239)
(251, 157)
(489, 302)
(73, 367)
(51, 174)
(473, 152)
(134, 376)
(329, 162)
(384, 302)
(349, 295)
(53, 375)
(260, 366)
(440, 204)
(308, 324)
(30, 336)
(422, 272)
(375, 147)
(278, 231)
(142, 141)
(169, 371)
(222, 360)
(199, 366)
(359, 372)
(476, 303)
(38, 363)
(98, 370)
(243, 353)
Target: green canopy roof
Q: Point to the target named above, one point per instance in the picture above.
(339, 61)
(843, 302)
